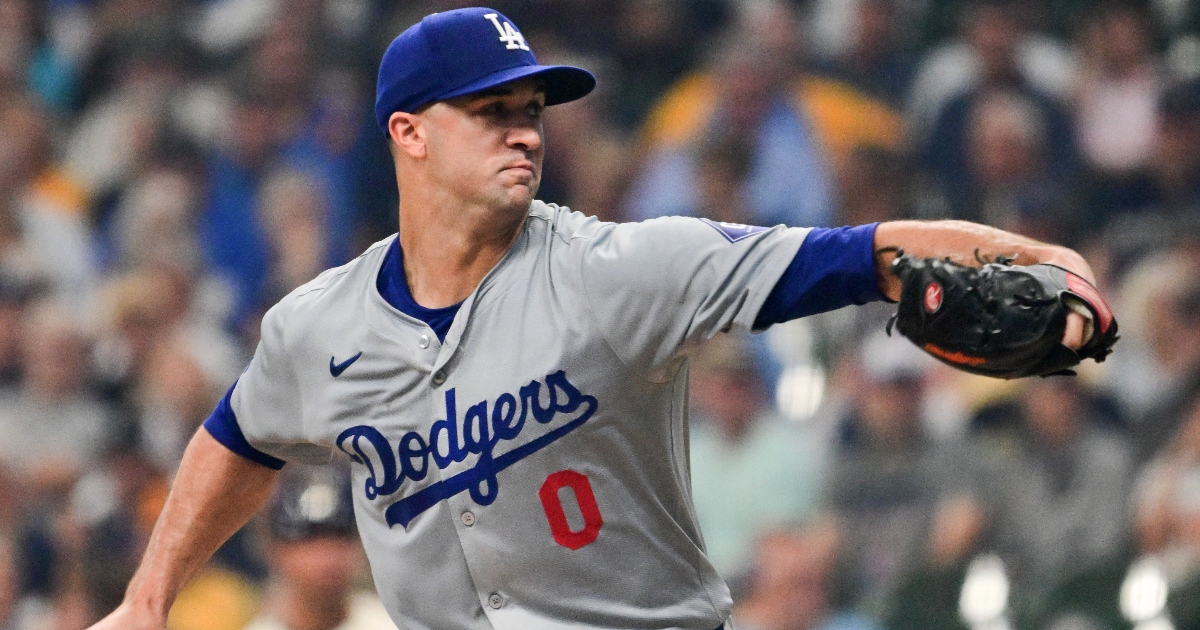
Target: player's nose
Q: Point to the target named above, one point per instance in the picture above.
(527, 138)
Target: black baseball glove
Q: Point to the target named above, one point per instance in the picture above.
(1002, 320)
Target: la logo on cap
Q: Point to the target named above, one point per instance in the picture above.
(509, 35)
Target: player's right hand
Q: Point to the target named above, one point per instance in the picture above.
(126, 617)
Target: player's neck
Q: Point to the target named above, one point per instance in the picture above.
(446, 255)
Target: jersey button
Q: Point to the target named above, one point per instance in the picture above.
(495, 601)
(424, 342)
(468, 519)
(439, 377)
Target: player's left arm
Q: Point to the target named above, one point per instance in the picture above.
(966, 243)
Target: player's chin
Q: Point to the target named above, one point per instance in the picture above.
(522, 191)
(515, 198)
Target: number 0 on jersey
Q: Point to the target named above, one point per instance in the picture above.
(552, 504)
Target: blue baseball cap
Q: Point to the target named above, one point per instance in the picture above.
(460, 52)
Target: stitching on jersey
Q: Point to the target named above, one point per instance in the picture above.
(312, 290)
(285, 331)
(284, 358)
(327, 281)
(552, 225)
(345, 268)
(591, 312)
(690, 506)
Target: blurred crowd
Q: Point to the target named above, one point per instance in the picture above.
(170, 168)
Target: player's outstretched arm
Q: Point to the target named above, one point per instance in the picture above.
(214, 493)
(961, 241)
(964, 243)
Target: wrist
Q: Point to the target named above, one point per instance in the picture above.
(147, 601)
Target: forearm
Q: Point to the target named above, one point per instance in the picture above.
(215, 493)
(962, 242)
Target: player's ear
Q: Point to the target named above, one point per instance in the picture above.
(407, 133)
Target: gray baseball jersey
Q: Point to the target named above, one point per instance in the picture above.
(531, 472)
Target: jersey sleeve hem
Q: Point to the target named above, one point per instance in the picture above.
(222, 425)
(772, 270)
(833, 268)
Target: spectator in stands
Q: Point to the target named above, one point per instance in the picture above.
(293, 212)
(873, 59)
(1156, 206)
(115, 28)
(1165, 559)
(281, 64)
(723, 164)
(794, 584)
(929, 597)
(886, 476)
(16, 43)
(139, 309)
(176, 393)
(1001, 151)
(53, 427)
(1167, 515)
(325, 149)
(15, 295)
(994, 38)
(99, 534)
(155, 222)
(163, 288)
(315, 558)
(1161, 335)
(587, 160)
(752, 470)
(127, 121)
(30, 61)
(1054, 482)
(1176, 162)
(215, 599)
(43, 212)
(1116, 103)
(1010, 183)
(231, 236)
(800, 128)
(652, 46)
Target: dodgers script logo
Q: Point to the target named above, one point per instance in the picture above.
(449, 442)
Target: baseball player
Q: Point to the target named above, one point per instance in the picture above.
(504, 374)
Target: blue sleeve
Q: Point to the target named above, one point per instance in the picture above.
(835, 267)
(223, 426)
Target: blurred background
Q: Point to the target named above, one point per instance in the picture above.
(170, 168)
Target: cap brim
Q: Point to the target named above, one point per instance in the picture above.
(563, 83)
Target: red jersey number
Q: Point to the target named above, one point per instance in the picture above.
(582, 487)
